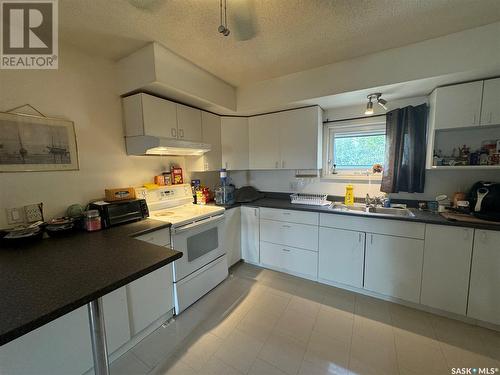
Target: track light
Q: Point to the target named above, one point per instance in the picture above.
(381, 102)
(369, 107)
(223, 29)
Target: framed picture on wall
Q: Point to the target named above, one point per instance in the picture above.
(30, 143)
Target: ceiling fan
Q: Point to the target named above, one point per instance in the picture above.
(242, 19)
(241, 15)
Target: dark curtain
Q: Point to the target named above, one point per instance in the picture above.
(405, 146)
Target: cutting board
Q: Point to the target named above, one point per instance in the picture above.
(467, 218)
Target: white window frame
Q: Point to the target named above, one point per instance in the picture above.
(360, 126)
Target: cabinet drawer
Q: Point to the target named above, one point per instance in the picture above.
(290, 216)
(290, 234)
(302, 262)
(158, 237)
(373, 225)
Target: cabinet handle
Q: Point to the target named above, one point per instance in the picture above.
(286, 250)
(371, 239)
(181, 133)
(359, 237)
(277, 165)
(255, 212)
(173, 132)
(474, 119)
(491, 118)
(286, 226)
(466, 234)
(483, 236)
(286, 213)
(282, 164)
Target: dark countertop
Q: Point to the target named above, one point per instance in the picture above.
(420, 216)
(44, 280)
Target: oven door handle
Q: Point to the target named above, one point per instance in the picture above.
(210, 220)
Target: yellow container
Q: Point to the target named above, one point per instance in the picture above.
(349, 195)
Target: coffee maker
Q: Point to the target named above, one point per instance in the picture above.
(484, 198)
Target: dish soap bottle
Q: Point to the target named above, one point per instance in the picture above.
(349, 195)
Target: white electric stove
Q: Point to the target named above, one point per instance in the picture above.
(197, 232)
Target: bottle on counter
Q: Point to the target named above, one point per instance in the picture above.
(92, 220)
(349, 195)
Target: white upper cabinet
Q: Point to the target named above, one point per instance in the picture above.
(264, 141)
(456, 106)
(301, 138)
(286, 140)
(484, 295)
(490, 112)
(211, 134)
(188, 123)
(234, 142)
(148, 115)
(447, 259)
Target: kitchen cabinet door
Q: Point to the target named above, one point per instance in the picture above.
(341, 256)
(484, 295)
(264, 141)
(393, 266)
(447, 260)
(148, 115)
(301, 138)
(458, 106)
(188, 123)
(490, 111)
(232, 235)
(211, 133)
(149, 298)
(116, 319)
(234, 140)
(250, 234)
(61, 347)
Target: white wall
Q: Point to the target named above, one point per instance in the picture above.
(83, 90)
(437, 182)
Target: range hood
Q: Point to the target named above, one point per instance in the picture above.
(150, 145)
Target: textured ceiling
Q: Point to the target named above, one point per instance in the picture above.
(291, 35)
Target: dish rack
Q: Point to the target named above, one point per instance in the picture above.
(310, 199)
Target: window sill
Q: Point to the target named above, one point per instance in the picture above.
(351, 177)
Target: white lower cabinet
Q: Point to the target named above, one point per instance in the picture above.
(61, 347)
(232, 235)
(291, 234)
(484, 294)
(288, 259)
(149, 298)
(393, 266)
(447, 261)
(341, 256)
(250, 234)
(116, 319)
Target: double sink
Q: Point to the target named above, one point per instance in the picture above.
(368, 210)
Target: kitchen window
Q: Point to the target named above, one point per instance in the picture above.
(354, 146)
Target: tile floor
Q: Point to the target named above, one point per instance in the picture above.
(264, 322)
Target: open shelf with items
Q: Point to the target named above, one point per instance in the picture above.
(466, 148)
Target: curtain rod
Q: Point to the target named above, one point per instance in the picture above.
(352, 118)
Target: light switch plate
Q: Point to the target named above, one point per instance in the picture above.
(33, 212)
(14, 215)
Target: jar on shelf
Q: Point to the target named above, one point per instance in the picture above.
(92, 220)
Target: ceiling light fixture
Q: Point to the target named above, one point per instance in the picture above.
(223, 29)
(375, 96)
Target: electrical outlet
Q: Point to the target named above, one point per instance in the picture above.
(33, 212)
(14, 215)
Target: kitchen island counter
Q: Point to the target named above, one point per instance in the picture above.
(42, 281)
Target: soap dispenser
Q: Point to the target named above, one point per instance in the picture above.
(349, 195)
